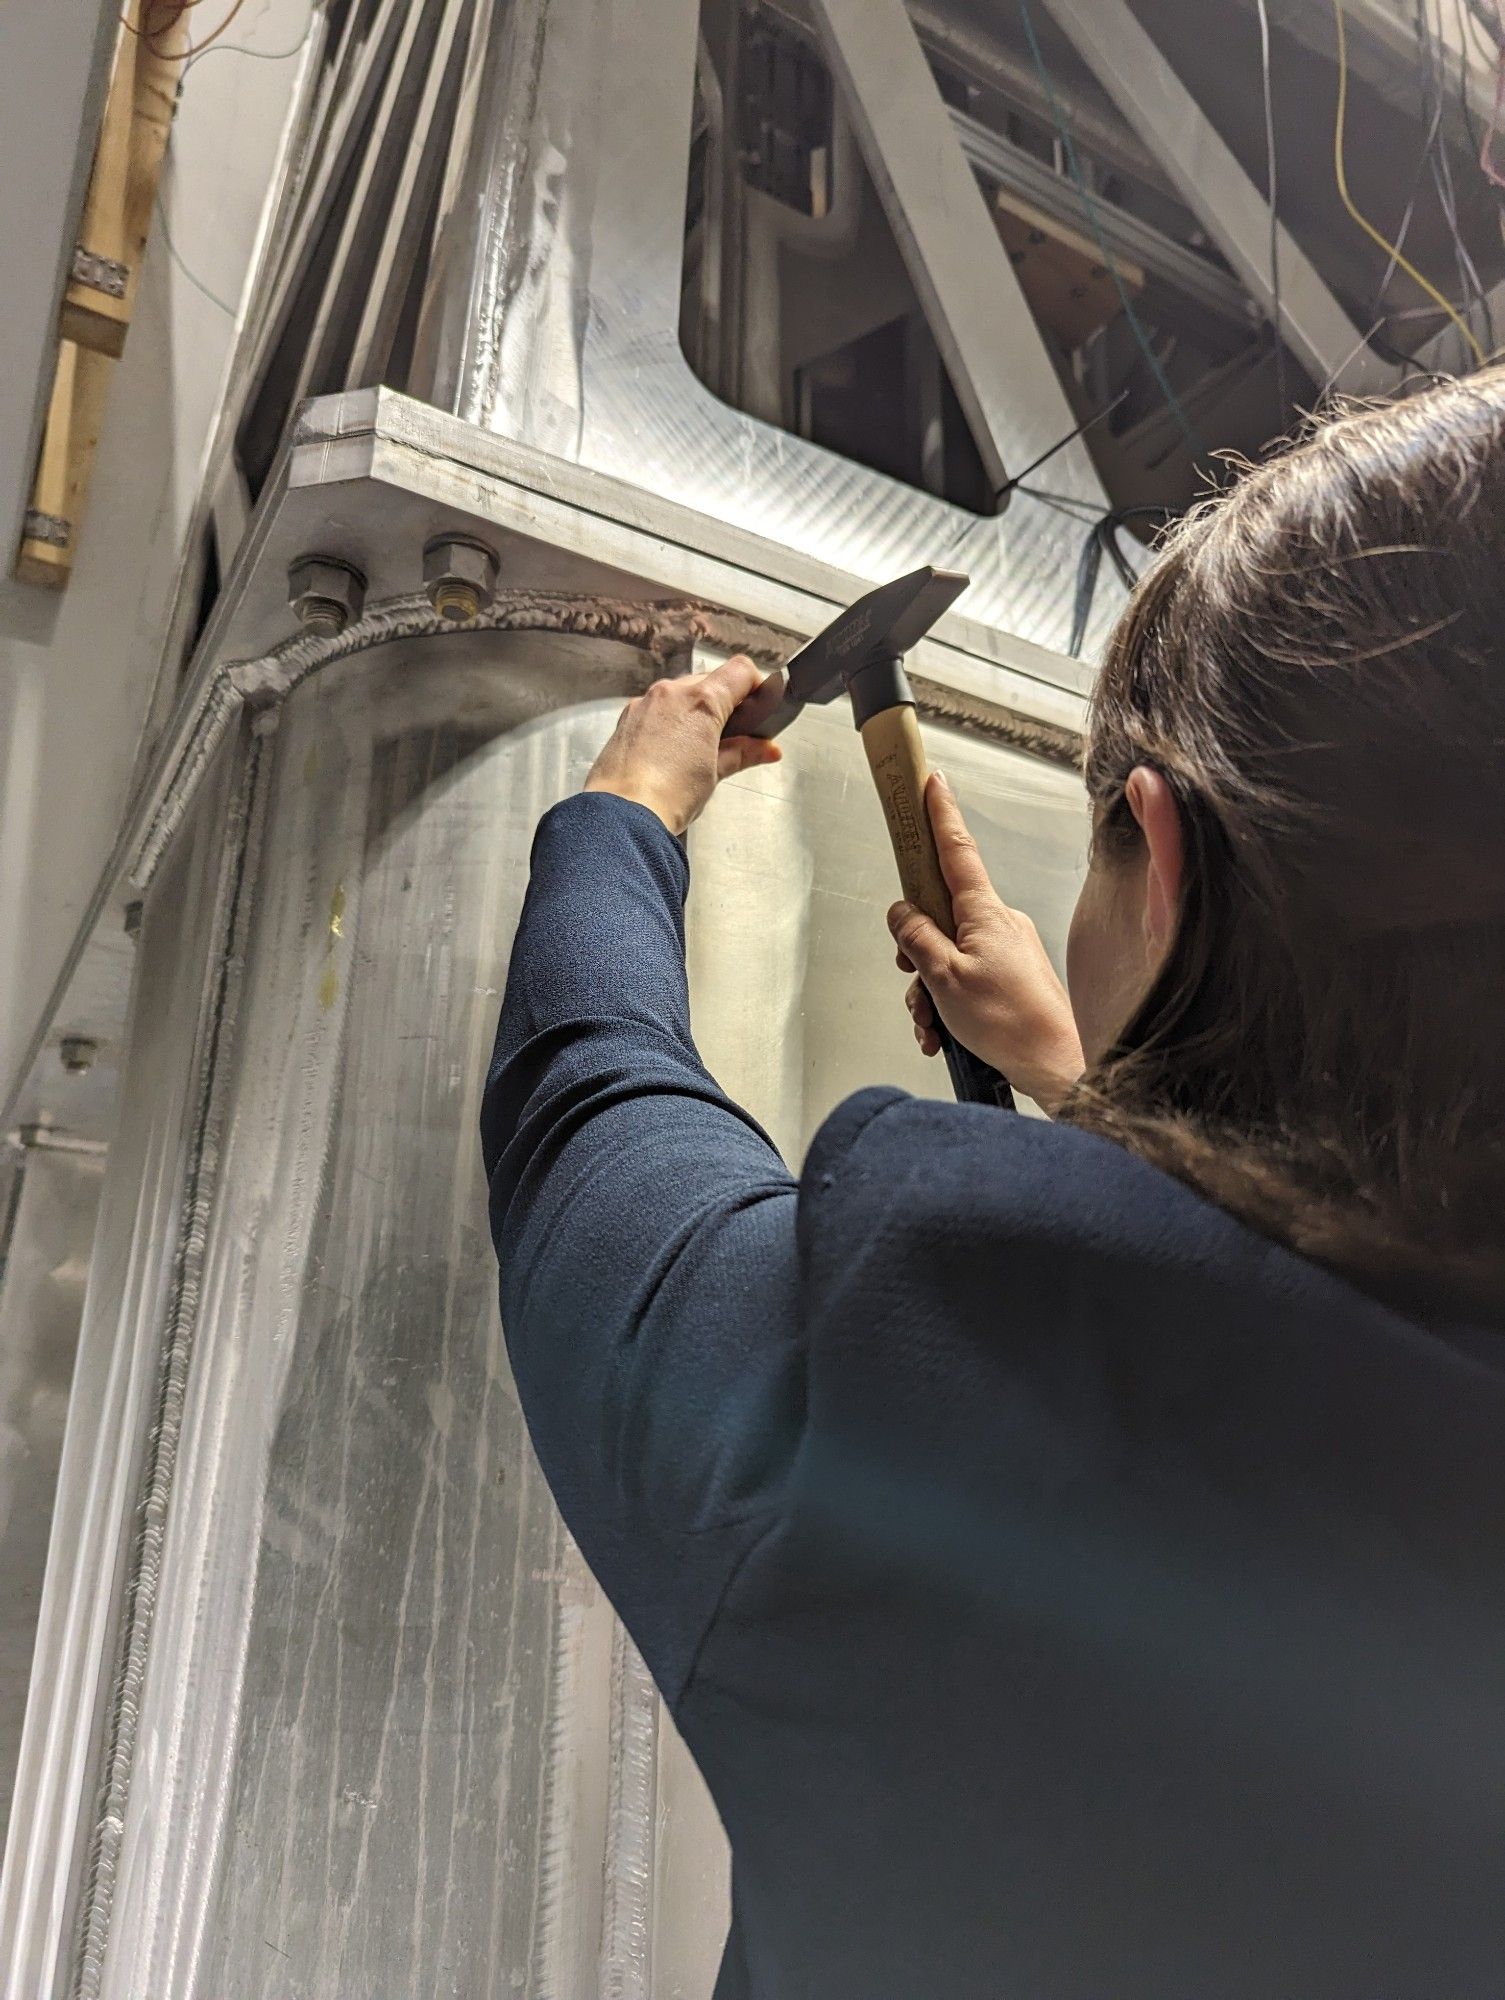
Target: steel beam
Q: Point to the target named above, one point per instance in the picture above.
(1000, 367)
(1136, 75)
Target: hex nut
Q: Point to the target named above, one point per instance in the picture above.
(325, 593)
(77, 1053)
(459, 576)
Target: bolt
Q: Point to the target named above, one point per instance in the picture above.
(77, 1053)
(131, 922)
(325, 593)
(459, 576)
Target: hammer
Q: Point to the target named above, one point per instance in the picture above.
(863, 651)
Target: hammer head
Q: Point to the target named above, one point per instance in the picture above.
(880, 627)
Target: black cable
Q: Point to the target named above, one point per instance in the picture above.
(1102, 538)
(1282, 385)
(1063, 503)
(1015, 484)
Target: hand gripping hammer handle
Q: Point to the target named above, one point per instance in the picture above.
(896, 757)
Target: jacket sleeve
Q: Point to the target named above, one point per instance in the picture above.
(645, 1228)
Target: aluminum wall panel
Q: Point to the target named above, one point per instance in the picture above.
(42, 1270)
(391, 1739)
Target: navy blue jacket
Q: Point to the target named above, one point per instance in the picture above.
(1066, 1593)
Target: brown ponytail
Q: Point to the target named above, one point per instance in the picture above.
(1316, 662)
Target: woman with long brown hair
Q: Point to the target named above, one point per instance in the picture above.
(1075, 1551)
(1292, 942)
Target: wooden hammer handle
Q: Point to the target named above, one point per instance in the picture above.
(897, 758)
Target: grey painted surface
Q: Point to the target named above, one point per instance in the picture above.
(56, 56)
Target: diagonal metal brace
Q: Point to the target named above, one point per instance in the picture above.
(999, 364)
(1129, 65)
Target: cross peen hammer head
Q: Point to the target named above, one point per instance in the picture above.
(862, 651)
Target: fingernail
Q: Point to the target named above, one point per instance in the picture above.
(942, 780)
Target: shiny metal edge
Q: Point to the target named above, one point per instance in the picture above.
(560, 325)
(370, 475)
(99, 1486)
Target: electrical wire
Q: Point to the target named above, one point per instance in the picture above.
(199, 47)
(1090, 207)
(197, 283)
(1078, 430)
(176, 9)
(1272, 179)
(1340, 170)
(1487, 149)
(1102, 538)
(1064, 503)
(1434, 78)
(1407, 217)
(151, 36)
(1465, 49)
(242, 49)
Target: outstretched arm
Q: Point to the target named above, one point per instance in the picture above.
(643, 1222)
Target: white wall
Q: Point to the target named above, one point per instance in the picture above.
(77, 671)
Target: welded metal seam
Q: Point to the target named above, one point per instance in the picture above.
(211, 723)
(665, 631)
(143, 1576)
(554, 1851)
(1049, 741)
(631, 1813)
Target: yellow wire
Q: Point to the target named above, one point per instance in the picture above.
(1403, 263)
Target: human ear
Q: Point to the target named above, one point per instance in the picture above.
(1158, 817)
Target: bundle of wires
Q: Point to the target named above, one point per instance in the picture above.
(1398, 258)
(1102, 539)
(157, 18)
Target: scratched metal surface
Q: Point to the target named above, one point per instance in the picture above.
(553, 317)
(43, 1265)
(114, 1398)
(392, 1742)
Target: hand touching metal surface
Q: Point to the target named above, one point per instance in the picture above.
(667, 751)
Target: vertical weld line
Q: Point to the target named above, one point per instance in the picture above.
(556, 1845)
(626, 1927)
(12, 1209)
(143, 1577)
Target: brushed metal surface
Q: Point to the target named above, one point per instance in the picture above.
(43, 1266)
(390, 1741)
(553, 319)
(116, 1379)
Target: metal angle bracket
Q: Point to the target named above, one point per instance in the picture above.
(371, 478)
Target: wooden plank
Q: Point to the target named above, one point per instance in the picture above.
(127, 174)
(94, 309)
(1063, 274)
(60, 492)
(117, 218)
